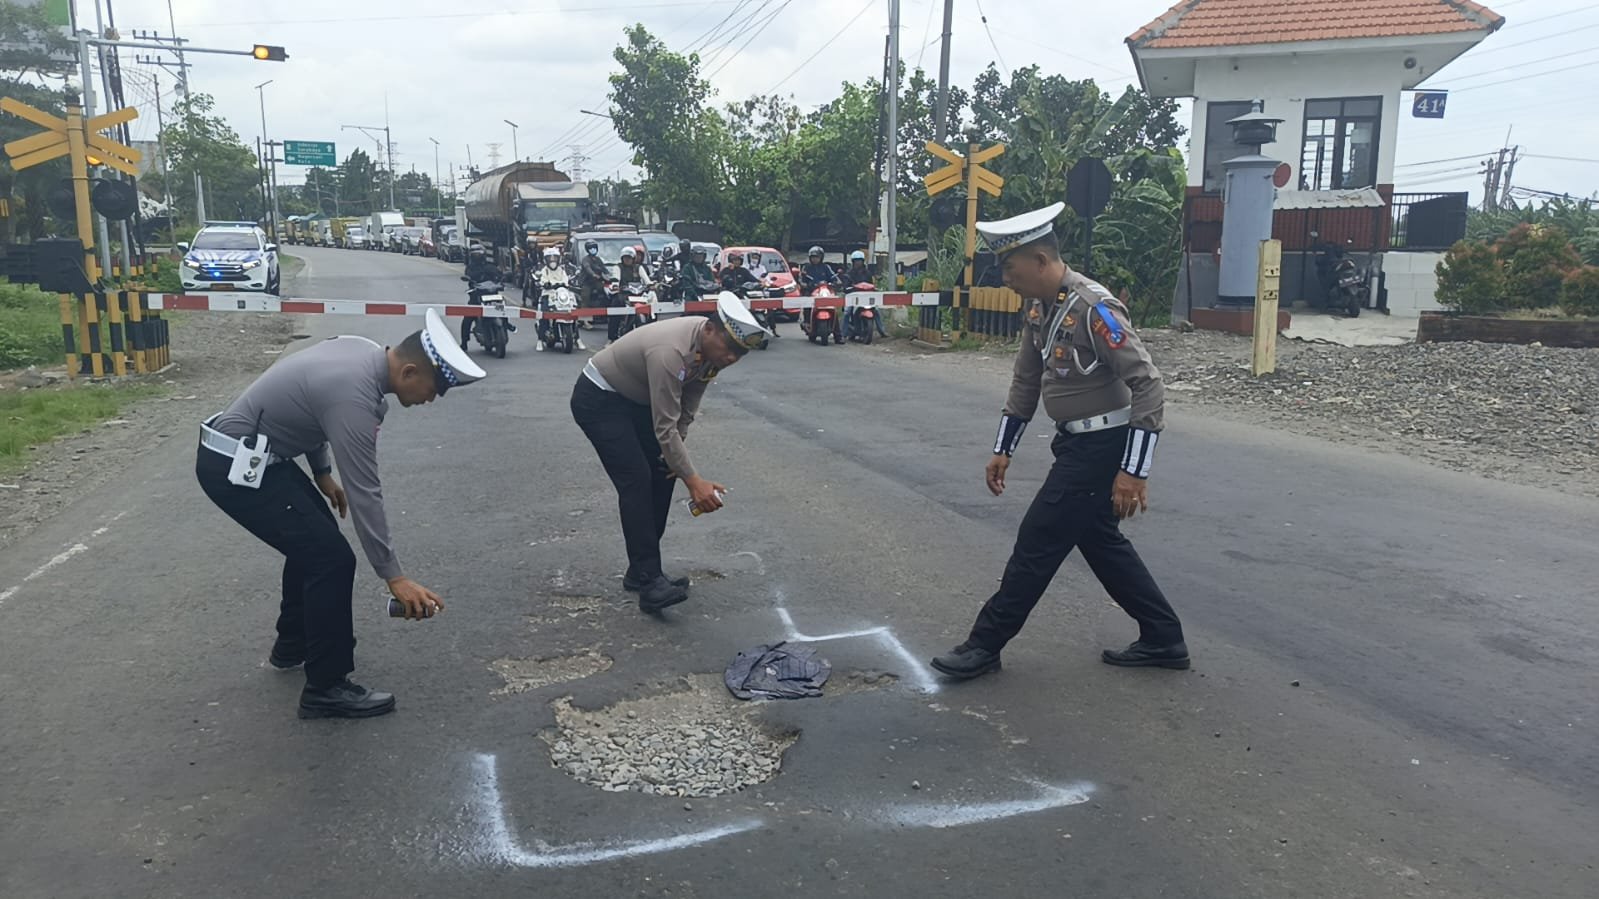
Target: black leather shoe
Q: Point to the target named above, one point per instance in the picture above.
(966, 661)
(660, 593)
(1148, 655)
(284, 659)
(344, 700)
(634, 585)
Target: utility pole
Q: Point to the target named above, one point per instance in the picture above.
(438, 186)
(1504, 188)
(494, 156)
(890, 222)
(941, 106)
(516, 154)
(161, 156)
(269, 166)
(386, 147)
(576, 161)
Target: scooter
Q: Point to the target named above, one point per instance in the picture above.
(821, 323)
(1354, 285)
(862, 320)
(640, 297)
(493, 328)
(561, 332)
(755, 290)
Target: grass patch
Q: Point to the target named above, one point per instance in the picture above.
(30, 327)
(289, 266)
(32, 417)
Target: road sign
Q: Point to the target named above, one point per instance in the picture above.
(1428, 104)
(1088, 187)
(309, 152)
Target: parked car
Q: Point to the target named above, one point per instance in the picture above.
(355, 238)
(410, 240)
(230, 256)
(425, 245)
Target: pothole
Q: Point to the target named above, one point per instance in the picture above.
(577, 604)
(521, 675)
(860, 680)
(706, 574)
(698, 741)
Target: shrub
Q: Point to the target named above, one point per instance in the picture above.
(30, 326)
(1579, 295)
(1536, 259)
(1471, 278)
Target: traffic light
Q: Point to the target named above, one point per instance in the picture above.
(269, 52)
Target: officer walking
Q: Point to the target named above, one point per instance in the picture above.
(325, 403)
(634, 401)
(1080, 353)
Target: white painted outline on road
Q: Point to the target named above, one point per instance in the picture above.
(64, 555)
(504, 848)
(921, 674)
(960, 814)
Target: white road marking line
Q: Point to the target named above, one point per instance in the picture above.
(504, 847)
(60, 557)
(942, 815)
(926, 682)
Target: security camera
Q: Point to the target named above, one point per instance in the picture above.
(1410, 62)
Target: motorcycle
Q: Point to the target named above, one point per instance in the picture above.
(560, 332)
(493, 328)
(862, 320)
(639, 296)
(819, 322)
(1354, 285)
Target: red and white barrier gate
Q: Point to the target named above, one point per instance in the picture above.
(241, 302)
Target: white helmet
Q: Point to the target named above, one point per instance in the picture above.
(628, 253)
(857, 256)
(815, 251)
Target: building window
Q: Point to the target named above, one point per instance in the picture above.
(1219, 146)
(1340, 148)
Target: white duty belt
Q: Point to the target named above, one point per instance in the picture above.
(1099, 422)
(593, 374)
(222, 444)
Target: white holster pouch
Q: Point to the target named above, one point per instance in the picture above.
(249, 462)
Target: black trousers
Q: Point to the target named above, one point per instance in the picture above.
(290, 515)
(474, 299)
(624, 437)
(1073, 509)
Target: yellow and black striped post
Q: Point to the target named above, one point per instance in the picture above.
(67, 342)
(134, 301)
(112, 303)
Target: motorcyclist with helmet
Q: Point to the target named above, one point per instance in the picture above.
(479, 267)
(694, 275)
(858, 273)
(734, 275)
(546, 278)
(592, 273)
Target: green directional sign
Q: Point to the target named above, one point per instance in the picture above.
(309, 152)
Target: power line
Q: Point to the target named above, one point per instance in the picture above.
(467, 15)
(1558, 15)
(1532, 40)
(736, 32)
(757, 33)
(1473, 156)
(1560, 158)
(1519, 65)
(926, 30)
(991, 42)
(1472, 87)
(847, 25)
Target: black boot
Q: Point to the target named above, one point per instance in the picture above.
(660, 593)
(635, 584)
(285, 658)
(344, 700)
(1148, 655)
(966, 661)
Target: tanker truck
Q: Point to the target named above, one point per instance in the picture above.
(526, 199)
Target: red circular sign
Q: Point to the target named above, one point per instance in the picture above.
(1281, 176)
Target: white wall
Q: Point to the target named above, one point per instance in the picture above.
(1412, 281)
(1285, 83)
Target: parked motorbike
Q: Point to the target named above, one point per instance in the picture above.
(560, 332)
(819, 323)
(493, 328)
(1354, 286)
(862, 320)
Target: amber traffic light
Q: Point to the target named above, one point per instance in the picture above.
(269, 52)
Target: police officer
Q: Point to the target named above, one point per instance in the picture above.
(635, 401)
(1080, 353)
(325, 403)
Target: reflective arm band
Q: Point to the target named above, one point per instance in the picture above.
(1140, 452)
(1010, 434)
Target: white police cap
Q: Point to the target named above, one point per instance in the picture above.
(739, 321)
(452, 367)
(1020, 230)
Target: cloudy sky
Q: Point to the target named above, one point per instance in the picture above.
(453, 71)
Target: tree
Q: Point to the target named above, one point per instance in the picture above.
(31, 71)
(358, 183)
(322, 189)
(195, 140)
(658, 103)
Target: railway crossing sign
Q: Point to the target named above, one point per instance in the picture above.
(53, 141)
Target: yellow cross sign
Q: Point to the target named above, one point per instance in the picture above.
(982, 180)
(52, 142)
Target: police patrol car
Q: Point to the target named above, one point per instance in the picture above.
(230, 256)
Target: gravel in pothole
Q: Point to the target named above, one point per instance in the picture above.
(521, 675)
(695, 742)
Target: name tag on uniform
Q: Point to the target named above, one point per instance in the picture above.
(249, 463)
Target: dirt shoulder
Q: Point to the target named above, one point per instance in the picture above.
(1525, 415)
(214, 357)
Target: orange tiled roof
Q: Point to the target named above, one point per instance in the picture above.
(1231, 23)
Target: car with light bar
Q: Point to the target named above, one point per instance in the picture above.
(230, 256)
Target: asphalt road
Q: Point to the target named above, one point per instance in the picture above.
(1393, 689)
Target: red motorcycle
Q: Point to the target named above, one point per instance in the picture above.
(861, 321)
(825, 317)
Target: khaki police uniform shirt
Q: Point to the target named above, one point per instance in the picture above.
(660, 365)
(1081, 355)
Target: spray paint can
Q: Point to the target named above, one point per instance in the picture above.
(695, 510)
